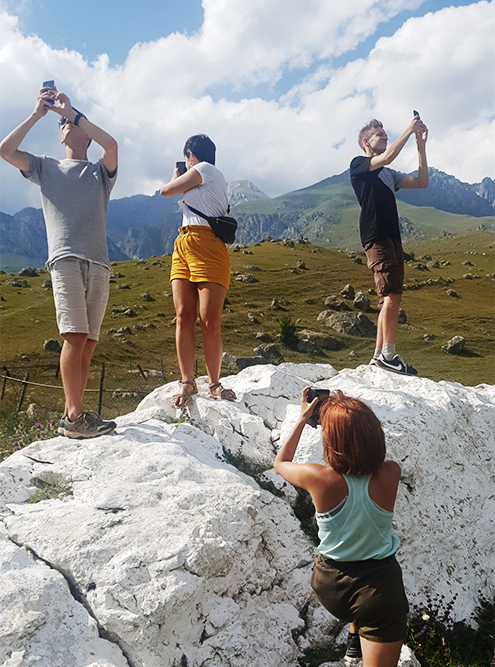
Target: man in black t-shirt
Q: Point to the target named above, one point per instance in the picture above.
(375, 186)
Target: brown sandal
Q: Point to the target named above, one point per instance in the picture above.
(225, 394)
(182, 399)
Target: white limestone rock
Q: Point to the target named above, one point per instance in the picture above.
(40, 621)
(173, 554)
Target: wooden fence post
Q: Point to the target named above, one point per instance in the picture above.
(100, 393)
(23, 391)
(4, 381)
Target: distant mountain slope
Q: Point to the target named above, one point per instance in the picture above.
(326, 213)
(447, 193)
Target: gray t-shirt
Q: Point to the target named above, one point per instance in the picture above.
(74, 198)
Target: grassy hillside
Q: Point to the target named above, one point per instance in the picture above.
(328, 214)
(28, 315)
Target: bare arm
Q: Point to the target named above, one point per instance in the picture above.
(9, 147)
(389, 155)
(410, 182)
(95, 133)
(298, 474)
(180, 184)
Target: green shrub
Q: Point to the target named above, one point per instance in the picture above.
(287, 334)
(438, 640)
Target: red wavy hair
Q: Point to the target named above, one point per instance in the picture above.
(353, 438)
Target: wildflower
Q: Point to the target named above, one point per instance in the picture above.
(51, 422)
(37, 425)
(425, 617)
(16, 445)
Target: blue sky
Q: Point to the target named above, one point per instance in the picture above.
(282, 86)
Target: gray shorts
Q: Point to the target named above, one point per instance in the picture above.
(80, 291)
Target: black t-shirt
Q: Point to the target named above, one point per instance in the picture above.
(375, 190)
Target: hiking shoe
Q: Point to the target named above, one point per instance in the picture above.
(86, 425)
(353, 646)
(396, 365)
(372, 362)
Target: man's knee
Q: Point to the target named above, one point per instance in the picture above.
(78, 340)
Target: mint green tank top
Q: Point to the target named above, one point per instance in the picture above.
(357, 529)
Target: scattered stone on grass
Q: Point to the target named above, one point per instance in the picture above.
(52, 345)
(455, 345)
(351, 324)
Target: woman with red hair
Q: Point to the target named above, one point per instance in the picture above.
(356, 576)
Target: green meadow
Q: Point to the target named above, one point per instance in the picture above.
(28, 315)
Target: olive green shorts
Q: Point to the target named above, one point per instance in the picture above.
(370, 592)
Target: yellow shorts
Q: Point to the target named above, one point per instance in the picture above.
(200, 257)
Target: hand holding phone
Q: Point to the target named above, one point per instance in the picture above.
(181, 167)
(51, 85)
(320, 394)
(415, 113)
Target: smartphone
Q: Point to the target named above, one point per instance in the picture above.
(415, 113)
(181, 167)
(51, 85)
(313, 393)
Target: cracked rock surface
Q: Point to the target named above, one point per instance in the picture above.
(159, 553)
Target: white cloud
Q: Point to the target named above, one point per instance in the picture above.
(441, 64)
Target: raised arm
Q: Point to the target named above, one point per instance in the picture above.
(9, 147)
(95, 133)
(410, 182)
(298, 474)
(179, 184)
(392, 151)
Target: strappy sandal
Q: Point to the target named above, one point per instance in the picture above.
(225, 394)
(182, 399)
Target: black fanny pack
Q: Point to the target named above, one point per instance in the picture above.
(223, 226)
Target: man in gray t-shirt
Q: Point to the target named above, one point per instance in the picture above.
(74, 196)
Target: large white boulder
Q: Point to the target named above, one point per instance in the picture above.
(158, 553)
(177, 555)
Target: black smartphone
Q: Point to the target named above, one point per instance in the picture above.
(51, 85)
(415, 113)
(314, 392)
(181, 167)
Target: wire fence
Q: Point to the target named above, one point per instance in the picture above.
(111, 390)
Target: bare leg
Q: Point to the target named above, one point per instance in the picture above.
(185, 296)
(388, 320)
(211, 298)
(75, 359)
(380, 655)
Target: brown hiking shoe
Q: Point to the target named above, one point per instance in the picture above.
(86, 425)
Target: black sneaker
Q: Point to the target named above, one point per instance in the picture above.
(86, 425)
(396, 365)
(353, 646)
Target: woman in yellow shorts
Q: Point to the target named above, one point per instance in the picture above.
(200, 272)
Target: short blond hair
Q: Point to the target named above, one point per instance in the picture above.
(367, 130)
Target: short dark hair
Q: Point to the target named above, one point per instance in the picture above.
(353, 438)
(367, 130)
(202, 147)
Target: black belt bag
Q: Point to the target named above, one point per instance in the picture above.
(223, 226)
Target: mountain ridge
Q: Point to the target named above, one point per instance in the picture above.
(326, 213)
